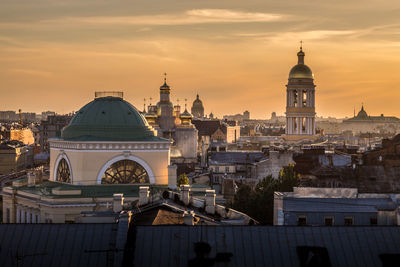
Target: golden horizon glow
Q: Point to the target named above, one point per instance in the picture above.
(236, 55)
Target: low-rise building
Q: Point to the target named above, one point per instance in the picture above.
(335, 206)
(14, 156)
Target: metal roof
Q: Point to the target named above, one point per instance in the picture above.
(61, 244)
(337, 204)
(235, 157)
(264, 245)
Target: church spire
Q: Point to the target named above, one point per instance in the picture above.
(301, 54)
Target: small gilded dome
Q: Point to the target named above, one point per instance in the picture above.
(301, 71)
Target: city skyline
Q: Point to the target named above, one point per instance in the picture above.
(55, 55)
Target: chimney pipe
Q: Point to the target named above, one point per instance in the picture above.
(118, 202)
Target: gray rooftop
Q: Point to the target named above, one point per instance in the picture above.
(61, 244)
(338, 204)
(264, 245)
(235, 157)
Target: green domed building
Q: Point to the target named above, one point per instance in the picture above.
(108, 141)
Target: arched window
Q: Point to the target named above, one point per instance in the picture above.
(125, 172)
(63, 173)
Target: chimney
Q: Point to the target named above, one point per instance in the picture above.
(31, 178)
(172, 176)
(185, 194)
(210, 201)
(144, 193)
(118, 202)
(188, 218)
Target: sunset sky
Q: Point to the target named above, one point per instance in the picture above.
(236, 54)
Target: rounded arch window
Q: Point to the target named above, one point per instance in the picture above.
(63, 173)
(125, 172)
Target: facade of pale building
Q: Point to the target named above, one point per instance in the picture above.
(107, 148)
(300, 102)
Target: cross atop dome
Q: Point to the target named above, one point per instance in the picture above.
(301, 54)
(165, 85)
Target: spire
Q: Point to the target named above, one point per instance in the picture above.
(165, 85)
(301, 54)
(144, 105)
(185, 104)
(197, 96)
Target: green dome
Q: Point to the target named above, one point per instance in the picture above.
(108, 119)
(301, 71)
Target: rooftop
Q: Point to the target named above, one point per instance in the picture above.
(50, 188)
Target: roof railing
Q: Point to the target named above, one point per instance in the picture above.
(109, 93)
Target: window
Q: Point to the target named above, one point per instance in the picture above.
(329, 221)
(25, 217)
(373, 220)
(37, 219)
(227, 169)
(304, 104)
(125, 172)
(7, 215)
(302, 220)
(348, 221)
(217, 169)
(63, 173)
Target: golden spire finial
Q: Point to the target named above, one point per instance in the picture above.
(185, 104)
(301, 45)
(165, 77)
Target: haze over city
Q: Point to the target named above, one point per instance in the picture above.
(55, 54)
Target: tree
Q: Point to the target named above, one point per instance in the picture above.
(183, 179)
(259, 203)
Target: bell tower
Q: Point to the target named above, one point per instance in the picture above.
(300, 101)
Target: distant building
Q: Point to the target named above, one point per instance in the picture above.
(300, 102)
(45, 114)
(364, 123)
(197, 108)
(238, 164)
(14, 156)
(24, 135)
(238, 117)
(334, 206)
(51, 128)
(170, 123)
